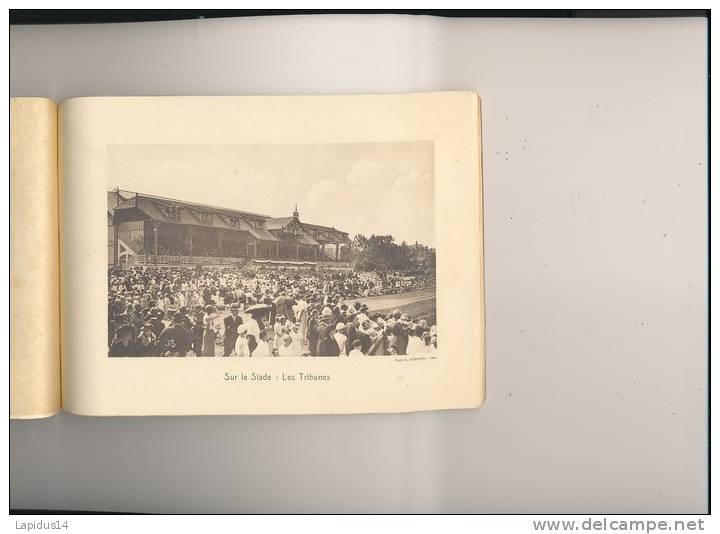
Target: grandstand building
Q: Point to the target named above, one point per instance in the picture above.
(150, 230)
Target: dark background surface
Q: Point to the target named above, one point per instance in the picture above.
(88, 16)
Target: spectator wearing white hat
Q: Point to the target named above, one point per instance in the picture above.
(297, 339)
(340, 338)
(326, 345)
(241, 344)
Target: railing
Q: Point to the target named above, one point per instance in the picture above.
(333, 264)
(214, 261)
(183, 261)
(297, 264)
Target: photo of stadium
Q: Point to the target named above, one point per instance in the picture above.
(190, 279)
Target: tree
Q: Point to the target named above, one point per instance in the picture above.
(381, 253)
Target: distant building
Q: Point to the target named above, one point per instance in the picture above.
(154, 230)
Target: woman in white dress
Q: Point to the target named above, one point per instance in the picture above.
(297, 340)
(340, 338)
(278, 328)
(286, 347)
(416, 344)
(263, 347)
(241, 344)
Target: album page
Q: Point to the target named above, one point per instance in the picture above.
(271, 255)
(34, 264)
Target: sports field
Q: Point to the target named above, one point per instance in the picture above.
(417, 304)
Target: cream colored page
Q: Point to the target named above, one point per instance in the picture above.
(94, 129)
(34, 276)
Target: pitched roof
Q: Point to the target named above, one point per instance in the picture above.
(113, 199)
(277, 223)
(307, 239)
(328, 229)
(191, 213)
(200, 206)
(261, 233)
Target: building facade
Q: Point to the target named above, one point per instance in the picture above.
(114, 198)
(145, 229)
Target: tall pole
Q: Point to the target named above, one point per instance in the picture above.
(116, 244)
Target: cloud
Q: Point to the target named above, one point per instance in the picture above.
(367, 188)
(375, 199)
(366, 173)
(320, 191)
(413, 180)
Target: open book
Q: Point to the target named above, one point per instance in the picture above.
(246, 255)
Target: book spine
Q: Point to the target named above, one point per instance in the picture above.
(34, 260)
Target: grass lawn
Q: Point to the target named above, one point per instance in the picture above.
(424, 309)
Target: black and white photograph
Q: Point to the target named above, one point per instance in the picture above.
(270, 250)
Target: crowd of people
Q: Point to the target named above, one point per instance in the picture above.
(261, 311)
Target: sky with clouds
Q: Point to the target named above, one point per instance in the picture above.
(368, 188)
